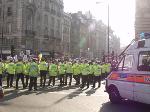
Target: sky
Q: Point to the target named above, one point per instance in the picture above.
(122, 14)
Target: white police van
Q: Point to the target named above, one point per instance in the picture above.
(131, 78)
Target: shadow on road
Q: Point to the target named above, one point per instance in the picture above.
(75, 94)
(14, 94)
(126, 106)
(91, 91)
(70, 96)
(55, 89)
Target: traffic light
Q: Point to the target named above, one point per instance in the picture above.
(12, 50)
(53, 54)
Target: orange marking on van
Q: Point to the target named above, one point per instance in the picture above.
(114, 76)
(131, 78)
(139, 78)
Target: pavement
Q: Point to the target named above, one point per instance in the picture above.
(65, 99)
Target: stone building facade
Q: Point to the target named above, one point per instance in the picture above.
(89, 37)
(79, 35)
(34, 25)
(142, 16)
(66, 34)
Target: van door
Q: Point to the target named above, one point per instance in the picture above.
(125, 81)
(142, 80)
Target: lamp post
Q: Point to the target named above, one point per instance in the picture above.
(108, 30)
(2, 35)
(108, 51)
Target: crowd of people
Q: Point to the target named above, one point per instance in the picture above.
(85, 72)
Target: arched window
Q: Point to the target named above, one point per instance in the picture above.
(46, 4)
(46, 19)
(29, 19)
(46, 31)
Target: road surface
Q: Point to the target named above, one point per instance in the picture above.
(65, 99)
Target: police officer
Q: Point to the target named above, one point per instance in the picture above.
(53, 71)
(76, 72)
(103, 70)
(85, 73)
(1, 71)
(20, 68)
(10, 69)
(27, 65)
(61, 70)
(43, 67)
(97, 74)
(91, 70)
(108, 68)
(33, 73)
(69, 72)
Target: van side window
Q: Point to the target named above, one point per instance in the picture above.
(144, 61)
(126, 63)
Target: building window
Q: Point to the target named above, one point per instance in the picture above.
(9, 28)
(58, 33)
(46, 33)
(9, 0)
(29, 23)
(0, 12)
(29, 20)
(53, 22)
(52, 32)
(53, 11)
(30, 1)
(64, 30)
(59, 12)
(0, 29)
(9, 11)
(58, 24)
(47, 4)
(46, 19)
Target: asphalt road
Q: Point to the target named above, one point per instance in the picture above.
(65, 99)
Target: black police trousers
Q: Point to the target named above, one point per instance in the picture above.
(33, 82)
(96, 79)
(62, 79)
(20, 76)
(51, 78)
(68, 75)
(43, 77)
(77, 79)
(10, 78)
(1, 79)
(27, 80)
(85, 80)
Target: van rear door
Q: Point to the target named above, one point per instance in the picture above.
(142, 78)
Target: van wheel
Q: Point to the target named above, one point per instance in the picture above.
(114, 95)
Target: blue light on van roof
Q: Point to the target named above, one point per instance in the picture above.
(144, 35)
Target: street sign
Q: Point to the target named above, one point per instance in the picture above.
(25, 58)
(21, 54)
(27, 52)
(6, 51)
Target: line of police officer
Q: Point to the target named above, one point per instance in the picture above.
(89, 72)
